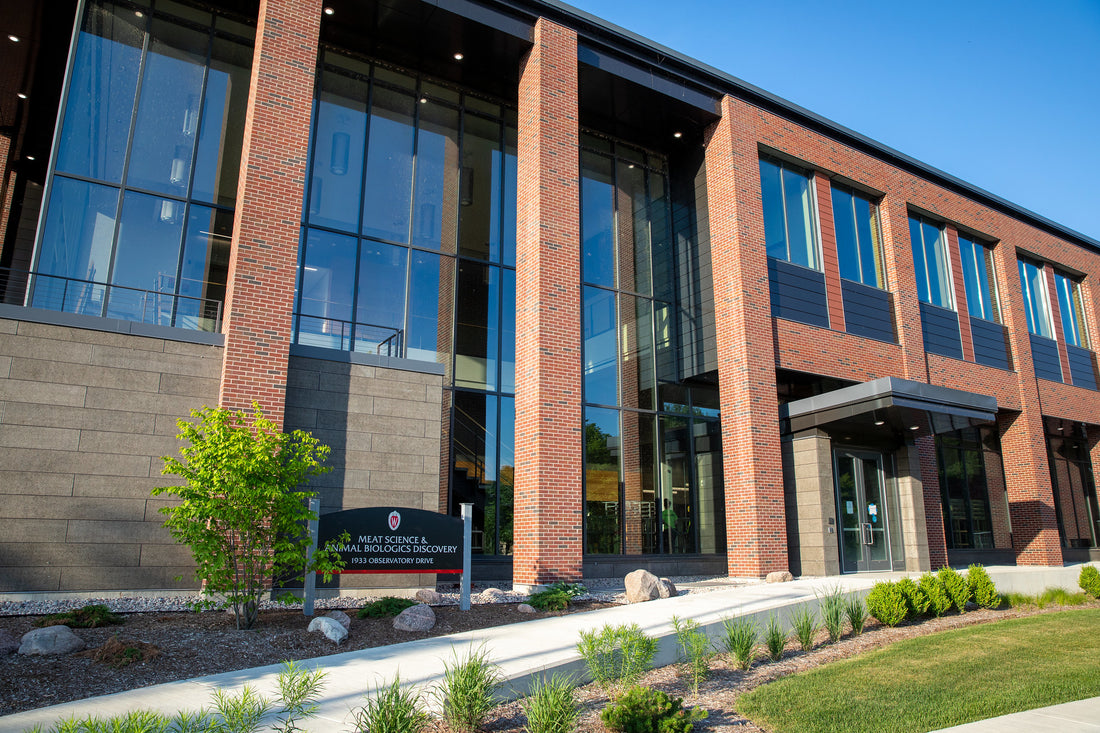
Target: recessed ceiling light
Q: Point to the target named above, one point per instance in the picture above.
(458, 57)
(880, 422)
(13, 39)
(30, 157)
(423, 100)
(21, 95)
(329, 11)
(915, 427)
(139, 14)
(677, 135)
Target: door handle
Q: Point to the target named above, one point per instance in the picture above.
(867, 535)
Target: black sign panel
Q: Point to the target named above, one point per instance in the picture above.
(395, 540)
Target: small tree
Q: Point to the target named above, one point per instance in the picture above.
(241, 510)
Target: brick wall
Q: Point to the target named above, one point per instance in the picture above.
(85, 417)
(264, 260)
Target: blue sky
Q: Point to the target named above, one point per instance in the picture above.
(1005, 95)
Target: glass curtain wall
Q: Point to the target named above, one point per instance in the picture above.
(1074, 485)
(974, 494)
(652, 445)
(140, 211)
(408, 251)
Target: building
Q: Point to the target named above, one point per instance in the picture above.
(636, 311)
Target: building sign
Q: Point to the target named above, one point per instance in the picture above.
(395, 540)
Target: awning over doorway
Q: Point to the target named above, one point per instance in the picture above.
(891, 404)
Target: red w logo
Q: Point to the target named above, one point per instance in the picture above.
(394, 521)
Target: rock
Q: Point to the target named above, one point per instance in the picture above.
(340, 617)
(331, 628)
(779, 576)
(429, 596)
(666, 588)
(51, 640)
(493, 595)
(641, 585)
(525, 608)
(8, 644)
(415, 618)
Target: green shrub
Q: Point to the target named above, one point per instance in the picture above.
(465, 694)
(981, 587)
(552, 706)
(805, 626)
(386, 606)
(856, 613)
(939, 602)
(956, 586)
(644, 710)
(1060, 597)
(740, 640)
(886, 602)
(1018, 600)
(775, 638)
(616, 655)
(832, 612)
(86, 617)
(916, 602)
(391, 710)
(1089, 580)
(572, 589)
(696, 649)
(550, 599)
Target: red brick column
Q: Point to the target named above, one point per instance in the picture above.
(262, 267)
(549, 444)
(897, 252)
(960, 293)
(933, 502)
(755, 517)
(830, 260)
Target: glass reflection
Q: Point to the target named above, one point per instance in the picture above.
(677, 492)
(327, 289)
(477, 318)
(435, 206)
(508, 333)
(387, 191)
(601, 481)
(480, 182)
(205, 267)
(708, 471)
(218, 158)
(337, 169)
(146, 219)
(474, 465)
(601, 376)
(597, 220)
(431, 301)
(380, 305)
(637, 368)
(639, 468)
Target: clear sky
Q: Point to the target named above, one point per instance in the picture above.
(1004, 94)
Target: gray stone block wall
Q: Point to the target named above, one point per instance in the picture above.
(383, 426)
(85, 417)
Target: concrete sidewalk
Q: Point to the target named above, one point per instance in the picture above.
(522, 650)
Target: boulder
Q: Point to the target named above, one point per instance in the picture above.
(525, 608)
(331, 628)
(779, 576)
(429, 596)
(50, 641)
(340, 617)
(666, 588)
(415, 618)
(493, 595)
(8, 644)
(642, 585)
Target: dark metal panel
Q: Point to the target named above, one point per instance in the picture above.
(1082, 367)
(646, 78)
(868, 311)
(1044, 358)
(797, 293)
(940, 328)
(990, 345)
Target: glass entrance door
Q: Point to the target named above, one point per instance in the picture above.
(861, 506)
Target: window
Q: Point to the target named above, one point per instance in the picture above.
(1036, 302)
(981, 292)
(1072, 310)
(931, 263)
(972, 489)
(789, 221)
(858, 243)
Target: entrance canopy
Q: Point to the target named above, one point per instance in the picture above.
(890, 404)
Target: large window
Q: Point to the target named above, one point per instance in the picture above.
(1074, 485)
(139, 216)
(1036, 300)
(972, 485)
(858, 242)
(979, 280)
(1072, 310)
(931, 263)
(652, 446)
(790, 219)
(408, 250)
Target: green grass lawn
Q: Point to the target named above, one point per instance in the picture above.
(940, 680)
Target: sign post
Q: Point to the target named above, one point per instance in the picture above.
(467, 536)
(311, 577)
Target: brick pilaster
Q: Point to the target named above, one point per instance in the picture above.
(549, 444)
(755, 519)
(830, 260)
(263, 264)
(901, 276)
(961, 306)
(933, 507)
